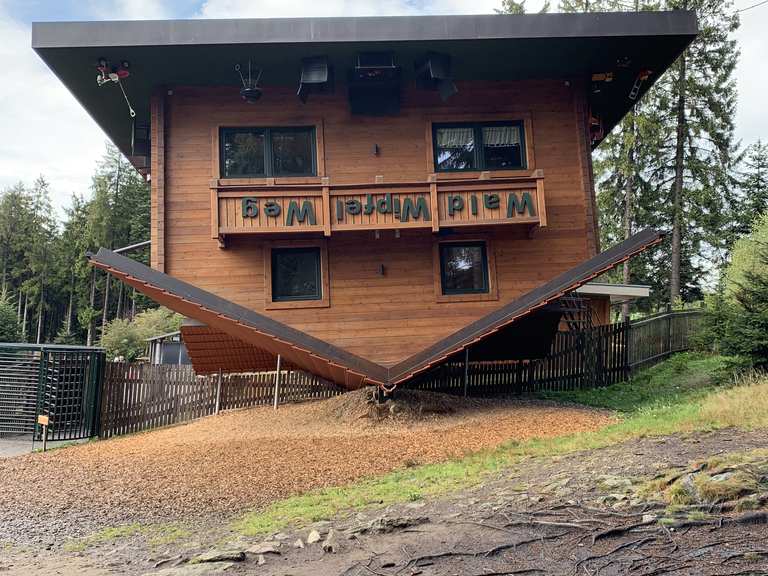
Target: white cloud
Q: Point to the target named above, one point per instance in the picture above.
(752, 74)
(129, 10)
(43, 130)
(304, 8)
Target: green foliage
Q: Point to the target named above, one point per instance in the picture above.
(127, 340)
(10, 330)
(681, 378)
(736, 319)
(42, 261)
(746, 256)
(747, 326)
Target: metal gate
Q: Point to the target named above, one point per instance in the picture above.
(61, 382)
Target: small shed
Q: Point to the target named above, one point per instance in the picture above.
(167, 349)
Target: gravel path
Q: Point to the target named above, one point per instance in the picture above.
(222, 465)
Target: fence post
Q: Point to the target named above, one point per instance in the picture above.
(669, 330)
(466, 371)
(277, 381)
(218, 393)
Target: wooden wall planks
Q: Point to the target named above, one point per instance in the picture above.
(384, 317)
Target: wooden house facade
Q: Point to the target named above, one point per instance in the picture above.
(367, 197)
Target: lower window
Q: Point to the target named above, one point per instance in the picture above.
(464, 268)
(296, 274)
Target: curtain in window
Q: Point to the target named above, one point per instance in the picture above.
(501, 136)
(454, 137)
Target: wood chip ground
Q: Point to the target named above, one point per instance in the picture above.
(247, 459)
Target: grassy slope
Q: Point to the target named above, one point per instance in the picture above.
(676, 396)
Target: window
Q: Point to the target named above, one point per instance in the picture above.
(478, 146)
(464, 268)
(296, 274)
(267, 152)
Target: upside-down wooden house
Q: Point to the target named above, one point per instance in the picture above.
(367, 197)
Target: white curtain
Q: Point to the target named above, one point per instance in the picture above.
(455, 137)
(498, 136)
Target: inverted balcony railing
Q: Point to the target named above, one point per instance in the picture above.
(266, 206)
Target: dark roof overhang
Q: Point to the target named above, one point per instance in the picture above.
(334, 363)
(487, 47)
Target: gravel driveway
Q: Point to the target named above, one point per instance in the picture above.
(222, 465)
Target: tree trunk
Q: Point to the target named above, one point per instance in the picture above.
(92, 301)
(133, 304)
(68, 322)
(40, 317)
(677, 201)
(18, 306)
(24, 321)
(629, 184)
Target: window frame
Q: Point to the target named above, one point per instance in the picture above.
(444, 246)
(324, 285)
(315, 250)
(268, 151)
(489, 264)
(478, 152)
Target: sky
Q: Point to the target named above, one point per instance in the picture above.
(44, 131)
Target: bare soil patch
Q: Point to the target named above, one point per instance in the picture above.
(222, 465)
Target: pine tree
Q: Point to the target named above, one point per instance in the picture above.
(700, 97)
(753, 185)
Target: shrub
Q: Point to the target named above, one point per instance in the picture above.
(10, 328)
(127, 340)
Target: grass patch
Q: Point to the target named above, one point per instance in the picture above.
(683, 377)
(155, 534)
(103, 536)
(663, 400)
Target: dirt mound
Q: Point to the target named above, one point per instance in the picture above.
(406, 406)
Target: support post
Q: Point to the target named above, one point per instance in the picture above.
(466, 372)
(218, 392)
(277, 381)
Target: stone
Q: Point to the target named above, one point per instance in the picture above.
(613, 483)
(722, 477)
(329, 544)
(280, 536)
(261, 560)
(648, 518)
(205, 569)
(313, 537)
(225, 555)
(385, 525)
(298, 544)
(267, 547)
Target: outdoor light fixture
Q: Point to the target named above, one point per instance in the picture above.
(434, 73)
(107, 74)
(316, 77)
(250, 92)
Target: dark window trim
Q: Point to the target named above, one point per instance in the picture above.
(318, 271)
(268, 131)
(478, 152)
(486, 288)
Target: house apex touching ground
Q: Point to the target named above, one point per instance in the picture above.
(368, 197)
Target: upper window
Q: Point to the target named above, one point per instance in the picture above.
(464, 268)
(267, 152)
(478, 146)
(296, 274)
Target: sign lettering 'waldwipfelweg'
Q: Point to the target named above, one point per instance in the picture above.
(409, 208)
